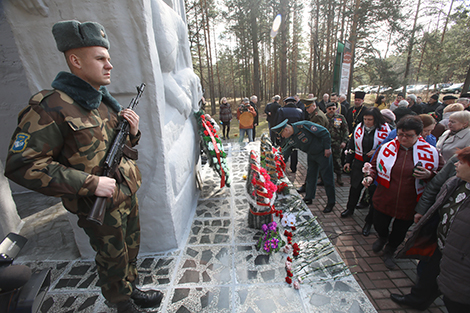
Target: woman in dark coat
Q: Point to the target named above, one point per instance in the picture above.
(225, 116)
(366, 137)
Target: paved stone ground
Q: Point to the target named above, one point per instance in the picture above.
(356, 250)
(218, 270)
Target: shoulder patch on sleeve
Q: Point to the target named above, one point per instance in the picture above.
(313, 128)
(20, 143)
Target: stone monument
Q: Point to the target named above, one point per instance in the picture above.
(149, 44)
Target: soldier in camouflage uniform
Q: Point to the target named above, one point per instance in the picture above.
(59, 147)
(338, 128)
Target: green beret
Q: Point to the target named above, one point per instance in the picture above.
(280, 127)
(73, 34)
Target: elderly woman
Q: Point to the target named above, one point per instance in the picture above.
(401, 167)
(442, 233)
(457, 136)
(443, 125)
(367, 136)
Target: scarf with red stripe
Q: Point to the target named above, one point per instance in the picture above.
(379, 136)
(422, 152)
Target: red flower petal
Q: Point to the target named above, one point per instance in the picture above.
(288, 280)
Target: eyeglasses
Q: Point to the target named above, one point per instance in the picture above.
(401, 135)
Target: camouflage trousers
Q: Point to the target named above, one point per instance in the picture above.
(337, 163)
(116, 243)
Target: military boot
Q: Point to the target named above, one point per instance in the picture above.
(339, 180)
(147, 299)
(128, 306)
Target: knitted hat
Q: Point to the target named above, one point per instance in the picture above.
(388, 114)
(73, 34)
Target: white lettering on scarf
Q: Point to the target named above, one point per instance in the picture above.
(422, 152)
(379, 136)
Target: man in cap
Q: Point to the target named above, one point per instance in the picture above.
(338, 128)
(314, 140)
(246, 118)
(355, 113)
(293, 114)
(432, 104)
(271, 115)
(59, 148)
(313, 113)
(445, 102)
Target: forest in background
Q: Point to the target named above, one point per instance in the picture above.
(394, 42)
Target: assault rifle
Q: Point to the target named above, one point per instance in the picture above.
(113, 159)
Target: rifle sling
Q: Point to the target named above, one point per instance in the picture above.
(131, 153)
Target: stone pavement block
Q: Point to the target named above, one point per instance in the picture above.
(403, 282)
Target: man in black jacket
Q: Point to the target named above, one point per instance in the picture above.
(271, 114)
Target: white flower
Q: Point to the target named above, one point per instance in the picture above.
(291, 219)
(296, 285)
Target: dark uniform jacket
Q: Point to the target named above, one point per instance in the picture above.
(290, 112)
(309, 137)
(272, 108)
(61, 141)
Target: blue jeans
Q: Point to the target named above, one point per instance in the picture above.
(248, 132)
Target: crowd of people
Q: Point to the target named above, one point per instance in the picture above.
(410, 162)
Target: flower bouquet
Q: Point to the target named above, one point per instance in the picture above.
(213, 148)
(261, 193)
(271, 240)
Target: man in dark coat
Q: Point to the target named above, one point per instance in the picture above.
(293, 114)
(355, 113)
(271, 115)
(432, 104)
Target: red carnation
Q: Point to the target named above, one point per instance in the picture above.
(281, 216)
(293, 228)
(286, 233)
(296, 253)
(296, 246)
(206, 133)
(203, 117)
(289, 273)
(288, 280)
(289, 259)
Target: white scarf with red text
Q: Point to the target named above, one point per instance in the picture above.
(379, 136)
(422, 152)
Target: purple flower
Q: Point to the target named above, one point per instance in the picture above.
(272, 226)
(266, 246)
(264, 228)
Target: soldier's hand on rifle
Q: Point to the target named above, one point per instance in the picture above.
(105, 187)
(133, 120)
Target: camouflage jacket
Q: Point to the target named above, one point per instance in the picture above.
(338, 128)
(60, 144)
